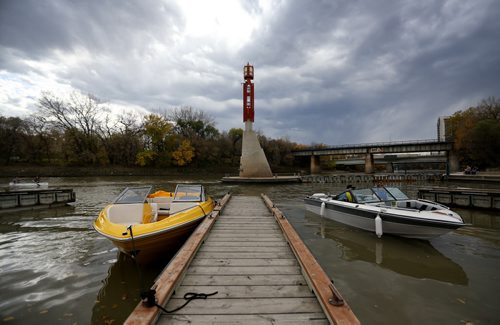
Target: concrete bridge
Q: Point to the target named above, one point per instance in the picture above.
(369, 149)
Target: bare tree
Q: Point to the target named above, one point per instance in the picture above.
(79, 119)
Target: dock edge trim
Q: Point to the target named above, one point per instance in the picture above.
(316, 277)
(168, 280)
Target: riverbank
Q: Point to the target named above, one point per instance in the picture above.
(57, 171)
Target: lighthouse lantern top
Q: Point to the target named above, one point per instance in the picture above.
(248, 71)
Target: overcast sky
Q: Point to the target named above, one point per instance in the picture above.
(334, 72)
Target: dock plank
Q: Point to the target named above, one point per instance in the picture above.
(243, 280)
(246, 306)
(243, 262)
(239, 243)
(244, 270)
(267, 319)
(285, 254)
(230, 237)
(235, 249)
(272, 291)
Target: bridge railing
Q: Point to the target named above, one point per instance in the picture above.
(374, 144)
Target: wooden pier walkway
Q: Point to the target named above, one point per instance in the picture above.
(258, 269)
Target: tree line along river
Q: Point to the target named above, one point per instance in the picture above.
(57, 269)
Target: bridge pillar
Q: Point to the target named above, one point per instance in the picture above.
(452, 163)
(369, 164)
(315, 165)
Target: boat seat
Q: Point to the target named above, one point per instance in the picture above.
(126, 214)
(162, 201)
(154, 212)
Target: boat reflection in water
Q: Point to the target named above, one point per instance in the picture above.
(121, 289)
(410, 257)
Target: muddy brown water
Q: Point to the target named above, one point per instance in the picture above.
(56, 269)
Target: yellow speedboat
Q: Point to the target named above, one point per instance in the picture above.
(145, 224)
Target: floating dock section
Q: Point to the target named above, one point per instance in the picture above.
(462, 197)
(35, 199)
(261, 270)
(263, 180)
(353, 178)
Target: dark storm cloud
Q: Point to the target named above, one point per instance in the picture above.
(37, 27)
(403, 64)
(325, 71)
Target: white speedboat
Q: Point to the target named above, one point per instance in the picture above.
(386, 210)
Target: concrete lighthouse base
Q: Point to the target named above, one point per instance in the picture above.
(253, 161)
(254, 167)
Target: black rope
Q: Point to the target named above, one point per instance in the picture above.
(148, 296)
(144, 292)
(149, 299)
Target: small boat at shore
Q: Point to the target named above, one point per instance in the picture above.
(386, 210)
(145, 224)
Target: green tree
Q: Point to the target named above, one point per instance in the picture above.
(199, 129)
(159, 141)
(12, 132)
(122, 139)
(191, 123)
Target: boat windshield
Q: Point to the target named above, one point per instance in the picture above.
(397, 193)
(133, 195)
(189, 193)
(365, 195)
(383, 194)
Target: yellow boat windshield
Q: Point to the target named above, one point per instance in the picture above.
(189, 193)
(133, 195)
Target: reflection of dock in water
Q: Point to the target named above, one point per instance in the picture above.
(410, 257)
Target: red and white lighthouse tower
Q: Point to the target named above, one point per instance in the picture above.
(253, 162)
(248, 97)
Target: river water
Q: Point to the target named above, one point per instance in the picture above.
(56, 269)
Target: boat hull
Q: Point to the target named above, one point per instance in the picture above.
(356, 215)
(150, 247)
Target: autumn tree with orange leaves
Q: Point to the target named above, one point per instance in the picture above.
(476, 134)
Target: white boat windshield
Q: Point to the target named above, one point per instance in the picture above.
(189, 193)
(397, 193)
(365, 195)
(383, 194)
(133, 195)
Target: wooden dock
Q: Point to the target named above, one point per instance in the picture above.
(30, 199)
(261, 270)
(462, 197)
